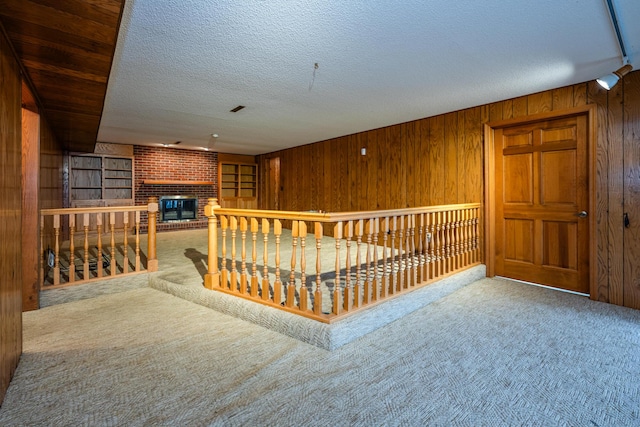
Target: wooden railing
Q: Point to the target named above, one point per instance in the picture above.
(374, 255)
(79, 245)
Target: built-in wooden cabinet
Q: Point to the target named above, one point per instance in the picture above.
(238, 178)
(100, 180)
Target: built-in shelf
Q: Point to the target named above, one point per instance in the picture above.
(175, 182)
(100, 180)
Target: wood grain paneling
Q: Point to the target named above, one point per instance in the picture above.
(66, 49)
(437, 162)
(443, 159)
(520, 106)
(540, 102)
(10, 208)
(30, 209)
(562, 98)
(422, 187)
(615, 188)
(632, 190)
(598, 96)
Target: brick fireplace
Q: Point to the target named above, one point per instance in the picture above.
(186, 170)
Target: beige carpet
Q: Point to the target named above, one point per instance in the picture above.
(491, 353)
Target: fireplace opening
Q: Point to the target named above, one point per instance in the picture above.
(178, 208)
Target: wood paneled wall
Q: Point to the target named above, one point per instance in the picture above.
(51, 162)
(439, 160)
(42, 189)
(432, 161)
(10, 223)
(623, 135)
(30, 209)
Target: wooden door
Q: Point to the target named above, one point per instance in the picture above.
(542, 202)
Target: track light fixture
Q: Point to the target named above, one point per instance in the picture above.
(610, 80)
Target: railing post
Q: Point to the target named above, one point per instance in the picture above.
(56, 268)
(43, 256)
(152, 260)
(212, 277)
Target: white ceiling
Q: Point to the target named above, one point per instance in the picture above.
(181, 65)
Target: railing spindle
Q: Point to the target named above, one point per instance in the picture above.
(56, 268)
(412, 253)
(427, 239)
(337, 235)
(476, 240)
(445, 242)
(467, 237)
(347, 299)
(458, 239)
(395, 283)
(137, 241)
(125, 226)
(112, 224)
(99, 218)
(224, 273)
(374, 285)
(450, 242)
(421, 260)
(433, 271)
(454, 240)
(72, 249)
(452, 232)
(233, 285)
(359, 230)
(43, 254)
(243, 255)
(317, 297)
(368, 272)
(439, 245)
(291, 289)
(254, 258)
(408, 255)
(304, 292)
(386, 282)
(277, 285)
(265, 256)
(399, 247)
(85, 264)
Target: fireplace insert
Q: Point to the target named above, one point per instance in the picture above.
(178, 208)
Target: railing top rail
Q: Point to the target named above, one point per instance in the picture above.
(341, 216)
(99, 209)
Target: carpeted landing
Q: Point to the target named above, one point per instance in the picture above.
(182, 260)
(492, 353)
(326, 336)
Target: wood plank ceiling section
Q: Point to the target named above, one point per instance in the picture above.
(66, 49)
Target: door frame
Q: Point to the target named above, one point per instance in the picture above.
(489, 179)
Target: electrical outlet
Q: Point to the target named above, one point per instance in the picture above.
(428, 237)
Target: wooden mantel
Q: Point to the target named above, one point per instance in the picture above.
(175, 182)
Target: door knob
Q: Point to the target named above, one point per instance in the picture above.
(582, 214)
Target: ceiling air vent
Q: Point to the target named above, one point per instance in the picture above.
(238, 108)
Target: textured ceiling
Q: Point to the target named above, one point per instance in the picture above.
(181, 65)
